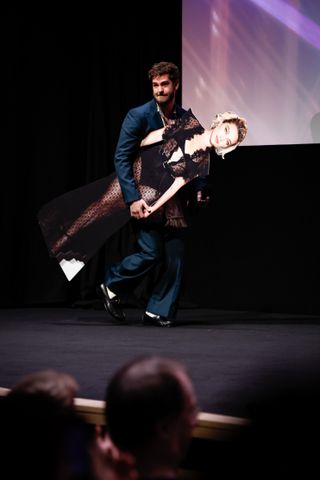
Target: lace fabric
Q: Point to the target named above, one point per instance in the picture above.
(77, 223)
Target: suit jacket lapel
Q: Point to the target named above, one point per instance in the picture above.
(154, 119)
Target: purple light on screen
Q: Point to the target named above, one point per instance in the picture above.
(293, 19)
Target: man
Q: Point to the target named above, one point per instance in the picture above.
(151, 411)
(157, 241)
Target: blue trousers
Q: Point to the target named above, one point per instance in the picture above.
(157, 244)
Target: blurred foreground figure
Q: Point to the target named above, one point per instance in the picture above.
(151, 410)
(59, 385)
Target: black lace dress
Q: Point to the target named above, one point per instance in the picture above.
(76, 224)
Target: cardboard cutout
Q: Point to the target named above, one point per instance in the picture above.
(76, 224)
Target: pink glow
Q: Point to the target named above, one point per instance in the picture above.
(293, 19)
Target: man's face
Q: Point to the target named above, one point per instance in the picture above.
(163, 89)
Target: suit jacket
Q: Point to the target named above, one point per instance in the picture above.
(137, 124)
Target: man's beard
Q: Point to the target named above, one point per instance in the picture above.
(164, 100)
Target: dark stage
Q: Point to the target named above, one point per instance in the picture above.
(230, 354)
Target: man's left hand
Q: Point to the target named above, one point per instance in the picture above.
(203, 198)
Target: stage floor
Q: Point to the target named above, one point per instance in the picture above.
(230, 355)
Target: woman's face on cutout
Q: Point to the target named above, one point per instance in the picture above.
(224, 135)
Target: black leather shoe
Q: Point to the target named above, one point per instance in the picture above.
(157, 321)
(112, 305)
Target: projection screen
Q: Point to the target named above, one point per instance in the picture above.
(259, 58)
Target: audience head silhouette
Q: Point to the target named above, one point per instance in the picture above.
(151, 412)
(57, 384)
(42, 438)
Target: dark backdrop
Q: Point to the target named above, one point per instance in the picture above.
(72, 74)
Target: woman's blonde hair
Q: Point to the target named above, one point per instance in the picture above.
(230, 117)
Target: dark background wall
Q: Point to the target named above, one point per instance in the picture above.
(71, 75)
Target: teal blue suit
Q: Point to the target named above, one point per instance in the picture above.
(158, 243)
(137, 124)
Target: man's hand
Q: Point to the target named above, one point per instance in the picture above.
(203, 198)
(199, 200)
(202, 193)
(138, 209)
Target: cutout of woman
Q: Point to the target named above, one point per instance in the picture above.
(77, 223)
